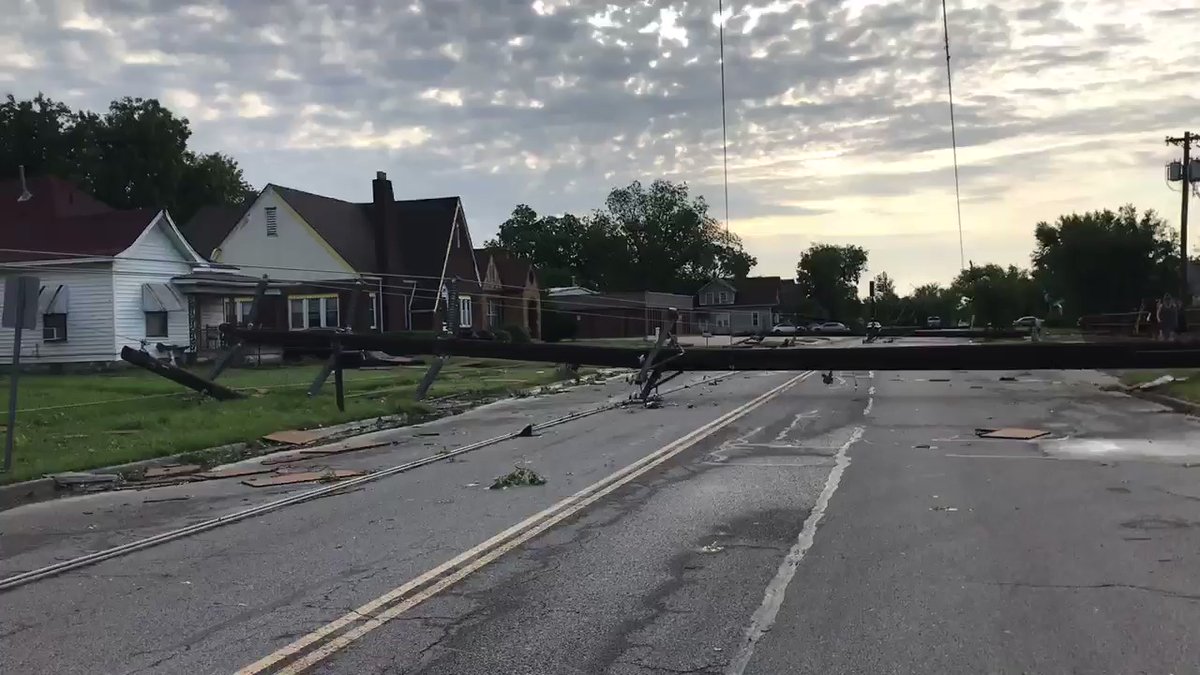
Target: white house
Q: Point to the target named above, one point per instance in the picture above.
(105, 274)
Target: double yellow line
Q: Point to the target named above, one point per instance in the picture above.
(322, 643)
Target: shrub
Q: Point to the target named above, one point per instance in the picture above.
(517, 334)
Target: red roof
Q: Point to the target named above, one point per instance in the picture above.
(61, 219)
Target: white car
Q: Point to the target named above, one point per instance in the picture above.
(785, 329)
(830, 327)
(933, 322)
(1027, 322)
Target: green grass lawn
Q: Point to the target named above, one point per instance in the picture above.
(77, 422)
(1188, 390)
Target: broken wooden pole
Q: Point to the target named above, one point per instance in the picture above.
(334, 360)
(235, 350)
(339, 388)
(179, 375)
(1024, 356)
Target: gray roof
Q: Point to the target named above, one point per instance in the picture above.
(209, 226)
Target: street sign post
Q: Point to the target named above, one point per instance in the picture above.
(20, 312)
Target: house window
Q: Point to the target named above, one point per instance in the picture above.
(464, 311)
(313, 311)
(237, 311)
(493, 313)
(54, 327)
(708, 298)
(754, 319)
(373, 310)
(156, 324)
(272, 221)
(723, 298)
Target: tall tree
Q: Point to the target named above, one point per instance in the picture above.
(997, 295)
(133, 155)
(887, 302)
(829, 274)
(644, 239)
(1105, 261)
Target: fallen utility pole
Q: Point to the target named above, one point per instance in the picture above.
(177, 374)
(1029, 356)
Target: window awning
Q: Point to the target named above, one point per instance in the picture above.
(159, 297)
(53, 299)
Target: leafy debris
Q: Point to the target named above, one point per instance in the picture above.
(519, 476)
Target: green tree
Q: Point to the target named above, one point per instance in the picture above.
(997, 295)
(829, 274)
(133, 155)
(644, 239)
(929, 300)
(1105, 261)
(887, 301)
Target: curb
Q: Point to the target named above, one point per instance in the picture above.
(1176, 404)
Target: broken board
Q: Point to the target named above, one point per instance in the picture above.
(345, 446)
(300, 477)
(233, 473)
(1012, 433)
(297, 436)
(170, 471)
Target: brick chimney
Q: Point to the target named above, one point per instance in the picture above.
(383, 203)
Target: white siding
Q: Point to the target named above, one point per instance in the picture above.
(153, 259)
(89, 318)
(295, 245)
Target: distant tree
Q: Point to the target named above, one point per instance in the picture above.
(656, 238)
(887, 302)
(829, 275)
(997, 295)
(1105, 261)
(134, 155)
(929, 300)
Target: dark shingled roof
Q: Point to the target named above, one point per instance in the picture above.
(757, 290)
(514, 271)
(345, 226)
(209, 227)
(62, 219)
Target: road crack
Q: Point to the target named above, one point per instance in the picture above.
(1131, 587)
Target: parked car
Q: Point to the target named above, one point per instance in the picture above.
(786, 329)
(933, 322)
(831, 327)
(1027, 322)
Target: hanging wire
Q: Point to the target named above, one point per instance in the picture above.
(724, 126)
(953, 138)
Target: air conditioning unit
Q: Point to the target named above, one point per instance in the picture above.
(1175, 171)
(49, 334)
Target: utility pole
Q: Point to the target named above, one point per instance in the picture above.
(1186, 142)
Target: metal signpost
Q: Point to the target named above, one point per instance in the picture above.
(20, 312)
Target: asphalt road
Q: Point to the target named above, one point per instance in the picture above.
(766, 524)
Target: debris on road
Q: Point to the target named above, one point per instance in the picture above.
(1007, 378)
(296, 436)
(519, 476)
(712, 548)
(301, 477)
(236, 472)
(942, 508)
(84, 479)
(1012, 433)
(167, 499)
(170, 471)
(345, 446)
(1160, 381)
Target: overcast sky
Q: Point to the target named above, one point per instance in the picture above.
(838, 121)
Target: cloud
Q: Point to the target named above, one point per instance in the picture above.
(837, 108)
